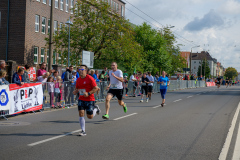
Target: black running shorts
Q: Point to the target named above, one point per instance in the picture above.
(144, 88)
(150, 88)
(117, 92)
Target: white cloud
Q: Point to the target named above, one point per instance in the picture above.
(221, 35)
(230, 7)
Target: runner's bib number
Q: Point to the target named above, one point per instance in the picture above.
(82, 91)
(143, 84)
(113, 86)
(164, 84)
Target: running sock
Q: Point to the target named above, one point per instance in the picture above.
(82, 123)
(94, 111)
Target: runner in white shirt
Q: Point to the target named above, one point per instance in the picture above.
(150, 85)
(115, 89)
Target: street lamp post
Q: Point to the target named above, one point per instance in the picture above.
(69, 23)
(191, 59)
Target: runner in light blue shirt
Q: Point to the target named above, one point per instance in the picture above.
(164, 83)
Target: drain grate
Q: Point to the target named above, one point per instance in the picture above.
(14, 123)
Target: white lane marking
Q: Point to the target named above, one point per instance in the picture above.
(125, 116)
(236, 152)
(199, 94)
(177, 100)
(224, 152)
(156, 106)
(53, 138)
(189, 96)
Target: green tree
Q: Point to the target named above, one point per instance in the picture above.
(202, 67)
(97, 28)
(231, 72)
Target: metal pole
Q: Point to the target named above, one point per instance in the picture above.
(51, 36)
(69, 43)
(6, 58)
(191, 62)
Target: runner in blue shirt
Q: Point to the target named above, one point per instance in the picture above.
(164, 82)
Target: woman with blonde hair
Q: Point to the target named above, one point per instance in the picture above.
(3, 74)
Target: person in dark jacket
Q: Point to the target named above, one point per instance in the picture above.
(67, 85)
(25, 74)
(18, 77)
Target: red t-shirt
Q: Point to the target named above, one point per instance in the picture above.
(86, 83)
(20, 77)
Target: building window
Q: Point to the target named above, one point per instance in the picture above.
(55, 26)
(44, 1)
(61, 5)
(38, 0)
(35, 55)
(194, 61)
(56, 3)
(60, 26)
(66, 5)
(117, 8)
(36, 23)
(42, 54)
(122, 11)
(50, 2)
(194, 67)
(72, 4)
(49, 27)
(43, 25)
(54, 57)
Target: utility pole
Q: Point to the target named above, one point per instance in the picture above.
(51, 36)
(205, 69)
(201, 67)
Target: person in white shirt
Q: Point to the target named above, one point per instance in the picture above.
(42, 78)
(115, 89)
(150, 85)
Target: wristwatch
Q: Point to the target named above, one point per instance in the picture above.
(89, 94)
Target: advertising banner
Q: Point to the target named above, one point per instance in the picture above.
(25, 98)
(4, 97)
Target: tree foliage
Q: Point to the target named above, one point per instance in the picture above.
(97, 28)
(231, 72)
(202, 67)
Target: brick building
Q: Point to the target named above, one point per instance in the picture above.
(23, 38)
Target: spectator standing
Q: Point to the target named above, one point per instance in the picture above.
(57, 91)
(67, 85)
(42, 69)
(77, 75)
(102, 77)
(125, 85)
(51, 86)
(55, 75)
(133, 79)
(3, 74)
(63, 75)
(96, 72)
(92, 73)
(74, 79)
(2, 65)
(18, 77)
(125, 74)
(25, 74)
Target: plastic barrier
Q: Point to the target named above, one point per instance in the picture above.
(209, 84)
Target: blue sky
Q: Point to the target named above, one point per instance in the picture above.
(215, 23)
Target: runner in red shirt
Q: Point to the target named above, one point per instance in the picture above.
(86, 86)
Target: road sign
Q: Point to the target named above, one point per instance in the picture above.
(88, 58)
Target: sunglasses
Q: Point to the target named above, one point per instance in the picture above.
(81, 69)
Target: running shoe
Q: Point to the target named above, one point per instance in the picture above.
(82, 133)
(147, 100)
(98, 109)
(106, 116)
(125, 108)
(141, 100)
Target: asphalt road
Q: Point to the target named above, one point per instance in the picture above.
(193, 125)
